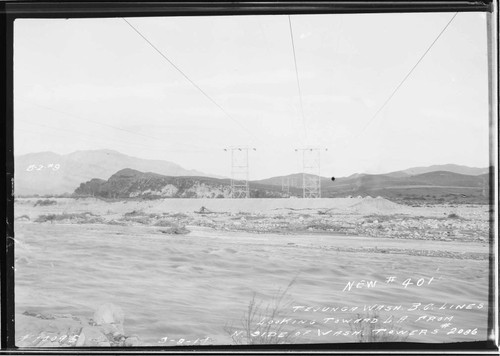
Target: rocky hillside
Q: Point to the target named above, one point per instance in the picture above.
(130, 183)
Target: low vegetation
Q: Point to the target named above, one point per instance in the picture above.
(251, 331)
(79, 218)
(254, 327)
(175, 230)
(45, 202)
(172, 227)
(134, 213)
(145, 220)
(165, 223)
(23, 217)
(179, 215)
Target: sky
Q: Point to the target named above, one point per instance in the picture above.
(85, 84)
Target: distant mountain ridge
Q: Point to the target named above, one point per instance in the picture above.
(433, 187)
(47, 173)
(36, 173)
(437, 186)
(454, 168)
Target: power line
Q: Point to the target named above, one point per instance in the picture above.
(405, 78)
(88, 120)
(105, 139)
(186, 76)
(75, 117)
(297, 76)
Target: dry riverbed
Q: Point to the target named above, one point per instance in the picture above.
(375, 217)
(74, 255)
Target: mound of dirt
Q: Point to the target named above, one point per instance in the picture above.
(371, 206)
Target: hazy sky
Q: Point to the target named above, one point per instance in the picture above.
(95, 83)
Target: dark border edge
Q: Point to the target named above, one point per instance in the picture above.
(7, 192)
(7, 17)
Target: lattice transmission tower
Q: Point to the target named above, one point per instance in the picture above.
(311, 171)
(287, 183)
(239, 171)
(485, 185)
(285, 186)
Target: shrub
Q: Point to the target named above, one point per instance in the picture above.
(139, 219)
(45, 218)
(81, 218)
(45, 202)
(134, 213)
(175, 215)
(252, 332)
(150, 197)
(321, 226)
(175, 230)
(165, 223)
(114, 222)
(23, 217)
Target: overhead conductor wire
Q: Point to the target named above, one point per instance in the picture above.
(75, 117)
(187, 77)
(405, 78)
(297, 76)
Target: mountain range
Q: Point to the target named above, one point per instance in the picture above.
(432, 187)
(110, 174)
(435, 186)
(454, 168)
